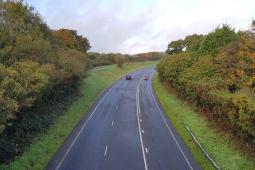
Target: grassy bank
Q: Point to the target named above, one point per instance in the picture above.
(219, 147)
(44, 147)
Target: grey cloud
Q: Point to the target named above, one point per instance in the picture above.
(132, 26)
(105, 28)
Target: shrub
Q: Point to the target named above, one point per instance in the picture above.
(218, 81)
(36, 69)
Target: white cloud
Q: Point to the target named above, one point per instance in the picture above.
(142, 25)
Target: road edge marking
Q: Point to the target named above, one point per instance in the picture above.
(105, 151)
(138, 122)
(81, 129)
(170, 131)
(97, 105)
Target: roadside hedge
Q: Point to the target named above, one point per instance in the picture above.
(220, 84)
(37, 71)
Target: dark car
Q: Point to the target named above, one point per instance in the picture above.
(128, 77)
(146, 77)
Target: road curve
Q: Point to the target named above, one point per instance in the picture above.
(125, 130)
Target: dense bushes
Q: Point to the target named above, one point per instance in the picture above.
(37, 67)
(217, 39)
(70, 39)
(100, 59)
(32, 62)
(218, 77)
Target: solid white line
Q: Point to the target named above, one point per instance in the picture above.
(78, 134)
(112, 123)
(138, 122)
(105, 151)
(170, 131)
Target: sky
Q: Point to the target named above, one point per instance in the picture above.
(135, 26)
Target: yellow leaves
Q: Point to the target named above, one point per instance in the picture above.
(237, 61)
(8, 108)
(73, 62)
(21, 85)
(240, 73)
(31, 64)
(70, 39)
(221, 84)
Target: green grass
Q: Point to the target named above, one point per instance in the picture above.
(218, 146)
(44, 147)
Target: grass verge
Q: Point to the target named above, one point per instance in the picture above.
(219, 147)
(44, 146)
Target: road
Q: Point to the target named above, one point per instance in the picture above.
(125, 130)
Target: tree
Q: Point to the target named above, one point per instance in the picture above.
(37, 49)
(19, 23)
(18, 17)
(30, 82)
(119, 60)
(193, 42)
(217, 39)
(253, 25)
(73, 62)
(21, 85)
(70, 39)
(176, 47)
(36, 69)
(236, 62)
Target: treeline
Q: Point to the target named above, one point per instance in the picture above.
(100, 59)
(37, 66)
(216, 73)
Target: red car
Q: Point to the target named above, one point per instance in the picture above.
(128, 77)
(146, 77)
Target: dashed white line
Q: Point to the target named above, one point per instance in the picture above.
(146, 150)
(116, 108)
(112, 123)
(142, 131)
(138, 122)
(105, 151)
(78, 134)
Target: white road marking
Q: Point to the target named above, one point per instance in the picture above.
(116, 108)
(78, 134)
(170, 131)
(112, 123)
(142, 131)
(139, 109)
(146, 149)
(105, 151)
(138, 122)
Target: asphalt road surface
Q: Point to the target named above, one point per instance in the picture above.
(125, 130)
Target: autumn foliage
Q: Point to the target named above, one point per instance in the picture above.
(218, 77)
(37, 66)
(71, 39)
